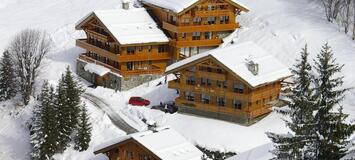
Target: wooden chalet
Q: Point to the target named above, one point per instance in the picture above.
(127, 42)
(160, 144)
(237, 83)
(195, 26)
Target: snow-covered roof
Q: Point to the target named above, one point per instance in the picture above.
(180, 5)
(97, 69)
(164, 142)
(235, 57)
(130, 26)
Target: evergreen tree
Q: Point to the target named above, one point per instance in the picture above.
(63, 115)
(300, 113)
(73, 94)
(42, 138)
(83, 135)
(332, 131)
(7, 77)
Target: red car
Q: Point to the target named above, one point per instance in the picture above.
(138, 101)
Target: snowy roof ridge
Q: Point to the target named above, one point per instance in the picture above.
(164, 142)
(180, 5)
(138, 28)
(233, 57)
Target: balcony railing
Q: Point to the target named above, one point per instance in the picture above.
(200, 28)
(90, 47)
(192, 43)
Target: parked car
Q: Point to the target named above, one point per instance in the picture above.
(166, 107)
(138, 101)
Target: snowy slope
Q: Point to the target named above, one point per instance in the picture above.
(281, 27)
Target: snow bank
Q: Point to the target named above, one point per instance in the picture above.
(97, 69)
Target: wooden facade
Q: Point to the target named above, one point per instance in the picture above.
(128, 150)
(124, 59)
(207, 86)
(199, 27)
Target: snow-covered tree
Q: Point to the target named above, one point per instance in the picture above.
(332, 131)
(68, 103)
(43, 127)
(73, 95)
(83, 133)
(28, 49)
(7, 77)
(300, 112)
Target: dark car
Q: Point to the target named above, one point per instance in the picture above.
(138, 101)
(166, 107)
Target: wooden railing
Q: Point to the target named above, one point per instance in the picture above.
(144, 57)
(102, 52)
(123, 73)
(207, 13)
(200, 28)
(191, 43)
(98, 35)
(211, 75)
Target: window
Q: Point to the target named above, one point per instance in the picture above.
(209, 69)
(219, 84)
(173, 19)
(190, 80)
(208, 35)
(140, 48)
(129, 66)
(130, 50)
(190, 96)
(203, 81)
(221, 101)
(211, 20)
(219, 70)
(237, 104)
(197, 20)
(183, 35)
(185, 21)
(161, 49)
(149, 48)
(225, 84)
(196, 35)
(205, 98)
(238, 88)
(211, 7)
(129, 155)
(224, 19)
(209, 82)
(144, 157)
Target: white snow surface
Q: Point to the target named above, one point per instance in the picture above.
(130, 26)
(178, 5)
(282, 30)
(234, 57)
(165, 143)
(97, 69)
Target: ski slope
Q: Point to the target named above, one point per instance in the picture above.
(281, 27)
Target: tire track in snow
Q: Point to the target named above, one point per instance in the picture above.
(116, 119)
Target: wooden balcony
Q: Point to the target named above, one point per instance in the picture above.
(103, 37)
(102, 52)
(211, 75)
(123, 73)
(207, 13)
(200, 28)
(193, 43)
(209, 90)
(144, 57)
(210, 107)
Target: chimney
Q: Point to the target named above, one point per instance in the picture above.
(125, 4)
(252, 66)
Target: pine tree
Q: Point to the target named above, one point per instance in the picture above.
(63, 113)
(73, 93)
(83, 135)
(300, 113)
(331, 129)
(7, 77)
(43, 139)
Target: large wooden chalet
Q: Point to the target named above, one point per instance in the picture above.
(195, 26)
(159, 144)
(125, 41)
(129, 46)
(237, 83)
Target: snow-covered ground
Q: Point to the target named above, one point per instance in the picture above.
(281, 27)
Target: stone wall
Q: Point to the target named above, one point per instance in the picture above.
(113, 80)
